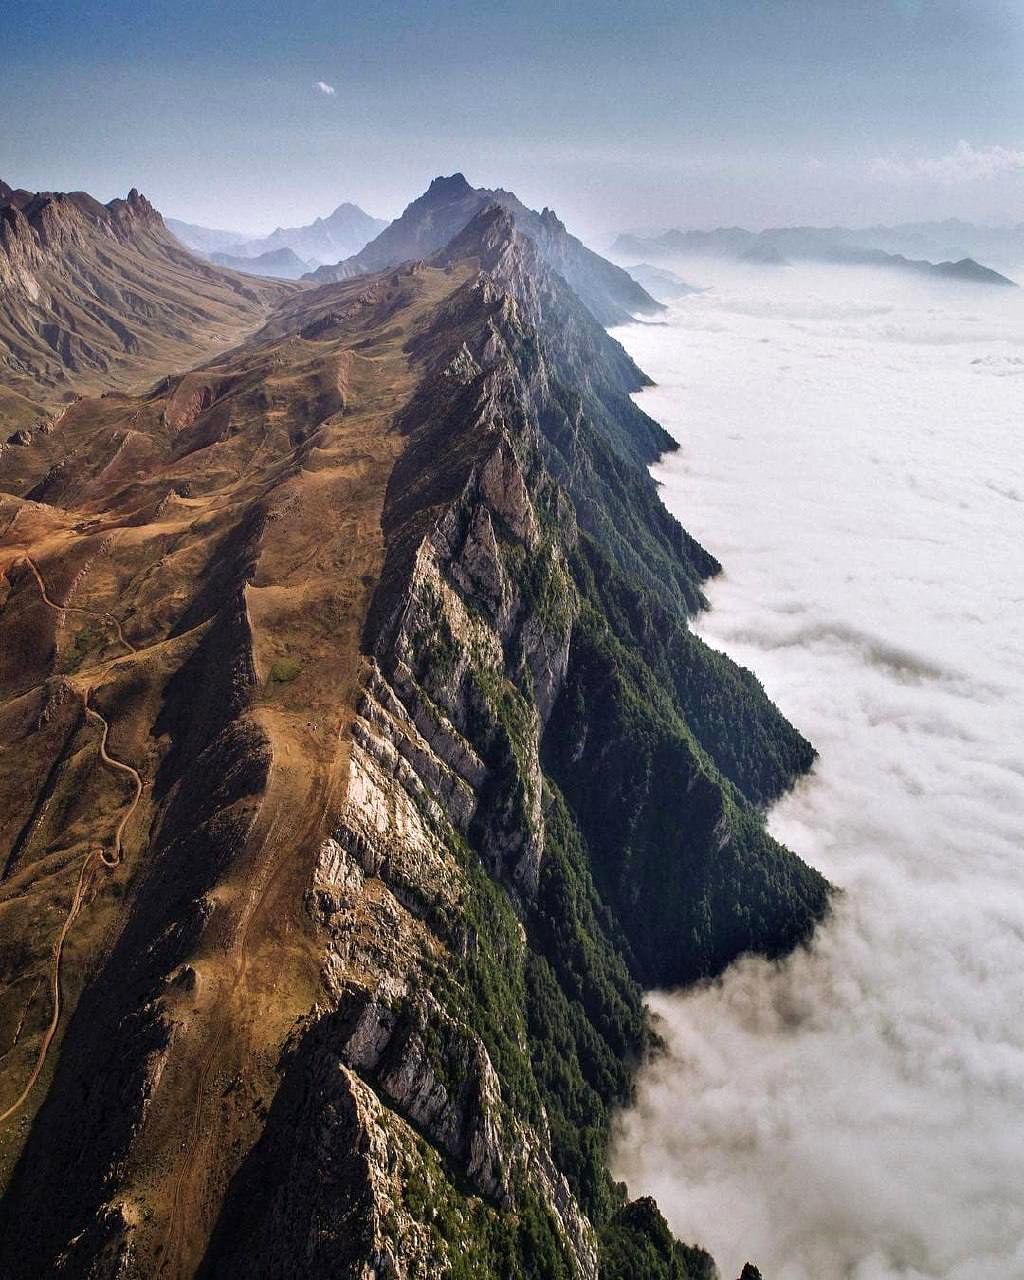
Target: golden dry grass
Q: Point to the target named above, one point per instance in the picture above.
(283, 449)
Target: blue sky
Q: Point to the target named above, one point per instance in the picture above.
(647, 113)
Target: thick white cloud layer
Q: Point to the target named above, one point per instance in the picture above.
(852, 451)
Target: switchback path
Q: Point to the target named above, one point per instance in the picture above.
(58, 951)
(98, 854)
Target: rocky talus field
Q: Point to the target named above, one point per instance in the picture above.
(358, 768)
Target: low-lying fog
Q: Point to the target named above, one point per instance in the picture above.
(852, 448)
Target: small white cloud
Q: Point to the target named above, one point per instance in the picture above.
(321, 86)
(965, 163)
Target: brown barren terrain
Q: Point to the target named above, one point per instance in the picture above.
(94, 297)
(185, 582)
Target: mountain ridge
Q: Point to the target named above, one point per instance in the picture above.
(822, 244)
(366, 601)
(448, 205)
(97, 297)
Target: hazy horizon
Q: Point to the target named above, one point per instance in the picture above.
(641, 229)
(251, 116)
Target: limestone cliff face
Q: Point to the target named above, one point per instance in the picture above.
(434, 775)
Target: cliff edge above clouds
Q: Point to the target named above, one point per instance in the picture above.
(384, 611)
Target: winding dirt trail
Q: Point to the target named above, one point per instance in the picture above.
(98, 854)
(120, 765)
(75, 608)
(51, 1030)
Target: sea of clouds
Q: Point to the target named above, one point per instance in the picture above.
(853, 452)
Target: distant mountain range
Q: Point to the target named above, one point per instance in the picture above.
(282, 264)
(339, 235)
(879, 246)
(431, 221)
(204, 240)
(949, 240)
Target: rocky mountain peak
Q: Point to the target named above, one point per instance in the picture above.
(487, 236)
(134, 212)
(449, 188)
(344, 210)
(550, 220)
(432, 220)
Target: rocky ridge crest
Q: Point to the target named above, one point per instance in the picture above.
(435, 779)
